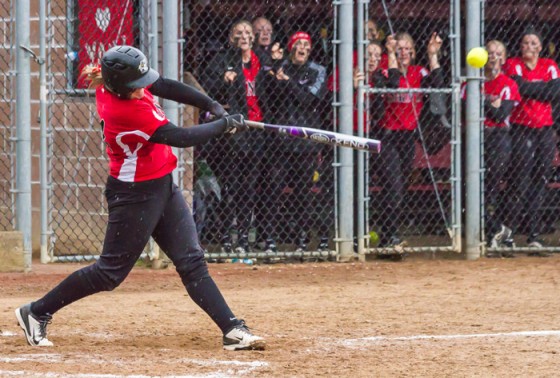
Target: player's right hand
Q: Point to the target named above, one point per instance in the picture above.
(235, 123)
(230, 76)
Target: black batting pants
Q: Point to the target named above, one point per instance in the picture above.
(136, 212)
(497, 157)
(533, 153)
(394, 165)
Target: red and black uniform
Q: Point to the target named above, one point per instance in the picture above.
(397, 130)
(144, 202)
(497, 143)
(533, 145)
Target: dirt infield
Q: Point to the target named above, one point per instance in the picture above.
(417, 318)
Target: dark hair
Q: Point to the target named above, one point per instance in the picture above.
(531, 30)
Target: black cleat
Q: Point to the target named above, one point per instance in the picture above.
(34, 327)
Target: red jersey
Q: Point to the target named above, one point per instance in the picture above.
(501, 87)
(254, 112)
(127, 126)
(532, 113)
(384, 62)
(403, 109)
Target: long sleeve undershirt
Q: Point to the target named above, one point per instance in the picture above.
(180, 92)
(498, 114)
(174, 136)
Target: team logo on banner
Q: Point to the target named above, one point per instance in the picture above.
(100, 27)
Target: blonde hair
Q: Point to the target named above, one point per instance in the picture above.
(92, 73)
(407, 37)
(498, 43)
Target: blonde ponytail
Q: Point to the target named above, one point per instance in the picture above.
(92, 73)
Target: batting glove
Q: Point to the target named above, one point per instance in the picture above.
(235, 124)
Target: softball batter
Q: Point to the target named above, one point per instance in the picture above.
(143, 201)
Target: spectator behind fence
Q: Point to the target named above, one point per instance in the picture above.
(377, 78)
(234, 74)
(501, 95)
(267, 48)
(533, 141)
(399, 124)
(375, 34)
(271, 55)
(298, 90)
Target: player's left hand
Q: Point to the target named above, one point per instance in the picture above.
(434, 45)
(235, 124)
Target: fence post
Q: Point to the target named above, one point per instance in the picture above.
(473, 135)
(23, 125)
(45, 185)
(171, 60)
(361, 182)
(346, 169)
(456, 184)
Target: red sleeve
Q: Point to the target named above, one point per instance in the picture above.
(507, 68)
(552, 69)
(384, 63)
(514, 94)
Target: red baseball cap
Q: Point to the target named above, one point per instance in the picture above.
(298, 35)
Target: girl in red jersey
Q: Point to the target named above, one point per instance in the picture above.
(143, 201)
(377, 79)
(501, 95)
(533, 139)
(398, 125)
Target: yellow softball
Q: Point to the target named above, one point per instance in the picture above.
(477, 57)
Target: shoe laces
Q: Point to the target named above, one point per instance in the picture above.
(44, 321)
(244, 327)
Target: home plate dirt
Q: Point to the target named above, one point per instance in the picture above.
(416, 318)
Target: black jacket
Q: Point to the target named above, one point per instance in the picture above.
(232, 94)
(299, 101)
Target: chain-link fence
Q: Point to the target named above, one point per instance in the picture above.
(412, 184)
(520, 136)
(269, 61)
(259, 192)
(7, 115)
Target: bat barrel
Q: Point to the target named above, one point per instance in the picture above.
(320, 136)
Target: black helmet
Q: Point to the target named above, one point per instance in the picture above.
(125, 68)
